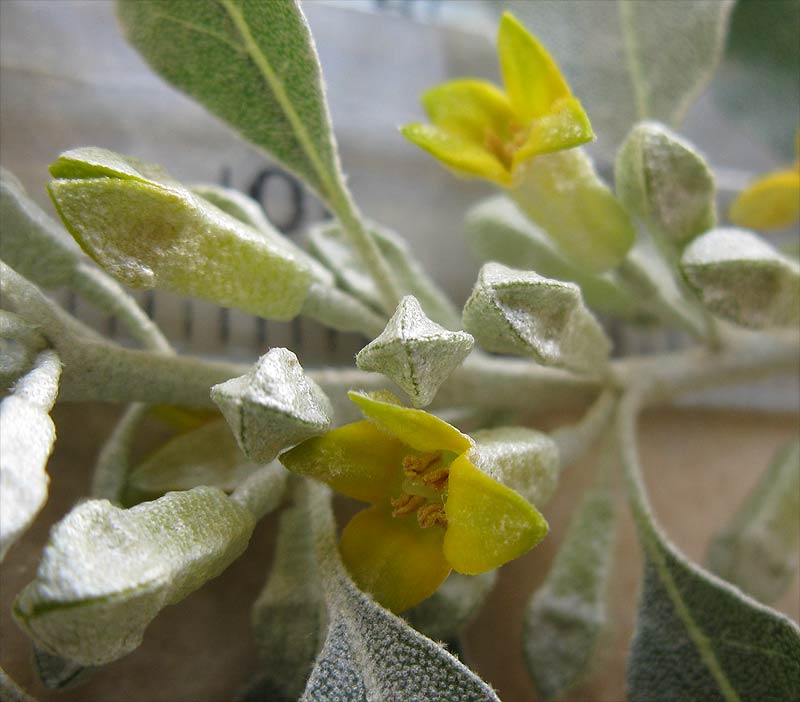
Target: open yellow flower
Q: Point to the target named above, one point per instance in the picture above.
(479, 130)
(772, 201)
(432, 509)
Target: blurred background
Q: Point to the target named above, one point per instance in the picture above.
(68, 79)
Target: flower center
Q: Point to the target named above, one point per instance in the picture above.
(426, 478)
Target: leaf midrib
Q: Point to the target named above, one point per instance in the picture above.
(276, 86)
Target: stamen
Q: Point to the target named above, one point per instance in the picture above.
(416, 465)
(437, 478)
(431, 515)
(406, 504)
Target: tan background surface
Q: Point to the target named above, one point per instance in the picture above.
(699, 466)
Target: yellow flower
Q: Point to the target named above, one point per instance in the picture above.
(772, 201)
(431, 509)
(479, 130)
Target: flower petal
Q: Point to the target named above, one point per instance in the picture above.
(532, 78)
(488, 524)
(357, 460)
(459, 154)
(470, 109)
(418, 429)
(564, 127)
(396, 561)
(772, 202)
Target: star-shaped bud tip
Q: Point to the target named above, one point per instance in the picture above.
(415, 352)
(273, 406)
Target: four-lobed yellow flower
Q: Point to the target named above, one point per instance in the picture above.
(432, 509)
(479, 130)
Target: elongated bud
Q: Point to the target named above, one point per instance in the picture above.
(664, 181)
(107, 572)
(148, 231)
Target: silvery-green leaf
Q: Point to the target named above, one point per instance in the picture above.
(523, 459)
(415, 352)
(111, 469)
(447, 611)
(324, 301)
(697, 637)
(497, 231)
(289, 617)
(42, 251)
(253, 64)
(665, 182)
(369, 653)
(274, 406)
(330, 245)
(566, 616)
(32, 242)
(20, 342)
(742, 278)
(759, 550)
(11, 692)
(208, 455)
(27, 435)
(629, 60)
(247, 210)
(148, 231)
(520, 312)
(107, 572)
(562, 193)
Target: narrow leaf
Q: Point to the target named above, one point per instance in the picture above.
(698, 638)
(253, 64)
(20, 343)
(107, 572)
(567, 614)
(27, 435)
(330, 245)
(369, 653)
(759, 550)
(208, 455)
(148, 231)
(664, 181)
(11, 692)
(40, 249)
(32, 243)
(289, 617)
(443, 616)
(742, 278)
(496, 230)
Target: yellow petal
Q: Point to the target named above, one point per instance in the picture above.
(462, 156)
(772, 202)
(488, 524)
(470, 109)
(393, 559)
(532, 78)
(416, 428)
(357, 460)
(564, 127)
